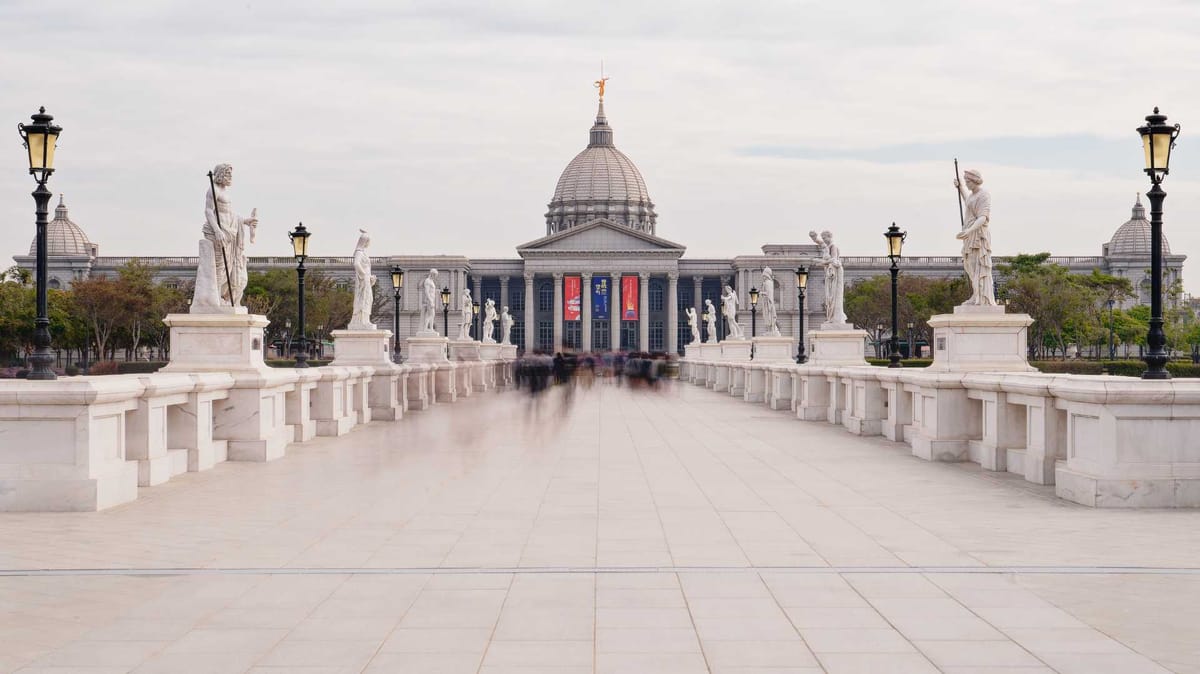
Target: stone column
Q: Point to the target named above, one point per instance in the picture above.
(673, 313)
(614, 311)
(530, 328)
(558, 311)
(697, 294)
(503, 293)
(585, 310)
(643, 311)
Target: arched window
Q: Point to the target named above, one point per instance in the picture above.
(54, 284)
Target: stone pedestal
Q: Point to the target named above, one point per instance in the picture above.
(774, 350)
(980, 339)
(508, 351)
(362, 347)
(464, 350)
(837, 346)
(735, 350)
(427, 349)
(489, 351)
(216, 342)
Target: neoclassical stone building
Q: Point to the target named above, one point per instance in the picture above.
(601, 278)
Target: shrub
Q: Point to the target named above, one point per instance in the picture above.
(139, 367)
(907, 362)
(291, 362)
(103, 367)
(71, 371)
(1119, 368)
(1069, 366)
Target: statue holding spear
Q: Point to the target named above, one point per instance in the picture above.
(227, 232)
(974, 217)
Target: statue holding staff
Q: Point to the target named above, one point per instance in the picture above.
(227, 231)
(977, 238)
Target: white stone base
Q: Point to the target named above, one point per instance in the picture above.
(427, 349)
(216, 342)
(774, 350)
(489, 351)
(705, 351)
(837, 347)
(980, 339)
(362, 347)
(464, 350)
(736, 350)
(508, 351)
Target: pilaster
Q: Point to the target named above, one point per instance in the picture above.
(585, 310)
(644, 311)
(558, 311)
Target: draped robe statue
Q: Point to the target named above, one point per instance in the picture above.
(729, 306)
(694, 325)
(228, 241)
(710, 322)
(364, 283)
(506, 322)
(770, 310)
(465, 313)
(976, 239)
(835, 286)
(429, 299)
(489, 321)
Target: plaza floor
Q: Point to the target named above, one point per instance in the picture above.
(608, 531)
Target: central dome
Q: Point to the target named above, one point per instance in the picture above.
(63, 237)
(1132, 239)
(601, 182)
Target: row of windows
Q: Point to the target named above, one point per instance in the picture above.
(655, 297)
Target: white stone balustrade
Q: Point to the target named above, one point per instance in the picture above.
(1102, 441)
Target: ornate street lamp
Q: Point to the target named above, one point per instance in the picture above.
(1112, 344)
(475, 320)
(753, 317)
(397, 286)
(299, 237)
(446, 312)
(912, 349)
(801, 286)
(41, 139)
(895, 242)
(1158, 138)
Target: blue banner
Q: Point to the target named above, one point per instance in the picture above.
(600, 293)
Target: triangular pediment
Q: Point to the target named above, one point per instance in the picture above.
(600, 236)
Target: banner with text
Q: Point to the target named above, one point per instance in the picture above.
(571, 293)
(629, 298)
(600, 298)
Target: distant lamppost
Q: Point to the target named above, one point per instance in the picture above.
(397, 286)
(704, 326)
(895, 242)
(879, 340)
(446, 312)
(40, 139)
(1112, 344)
(475, 320)
(912, 348)
(287, 338)
(753, 318)
(1157, 139)
(299, 237)
(801, 286)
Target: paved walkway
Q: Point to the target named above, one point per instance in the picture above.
(621, 531)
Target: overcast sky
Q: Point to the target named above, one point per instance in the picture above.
(442, 126)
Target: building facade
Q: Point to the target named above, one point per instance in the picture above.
(601, 278)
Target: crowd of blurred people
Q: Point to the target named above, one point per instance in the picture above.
(539, 371)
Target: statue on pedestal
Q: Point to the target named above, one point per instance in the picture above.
(364, 284)
(489, 321)
(977, 239)
(225, 232)
(506, 322)
(694, 324)
(835, 287)
(429, 300)
(465, 313)
(710, 321)
(729, 306)
(770, 310)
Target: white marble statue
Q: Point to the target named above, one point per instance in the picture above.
(228, 237)
(465, 314)
(729, 306)
(429, 301)
(710, 321)
(766, 296)
(694, 324)
(364, 285)
(204, 294)
(506, 323)
(489, 321)
(976, 239)
(835, 285)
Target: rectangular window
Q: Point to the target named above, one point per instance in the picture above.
(516, 298)
(546, 297)
(601, 335)
(629, 335)
(683, 335)
(685, 298)
(656, 295)
(656, 336)
(572, 335)
(517, 335)
(545, 341)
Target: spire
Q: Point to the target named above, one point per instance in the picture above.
(601, 134)
(60, 211)
(1139, 211)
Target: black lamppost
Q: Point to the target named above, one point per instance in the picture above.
(40, 139)
(753, 318)
(1157, 139)
(475, 320)
(912, 348)
(801, 286)
(1112, 344)
(704, 326)
(879, 340)
(895, 242)
(299, 237)
(397, 286)
(446, 312)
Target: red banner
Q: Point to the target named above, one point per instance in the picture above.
(571, 297)
(629, 298)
